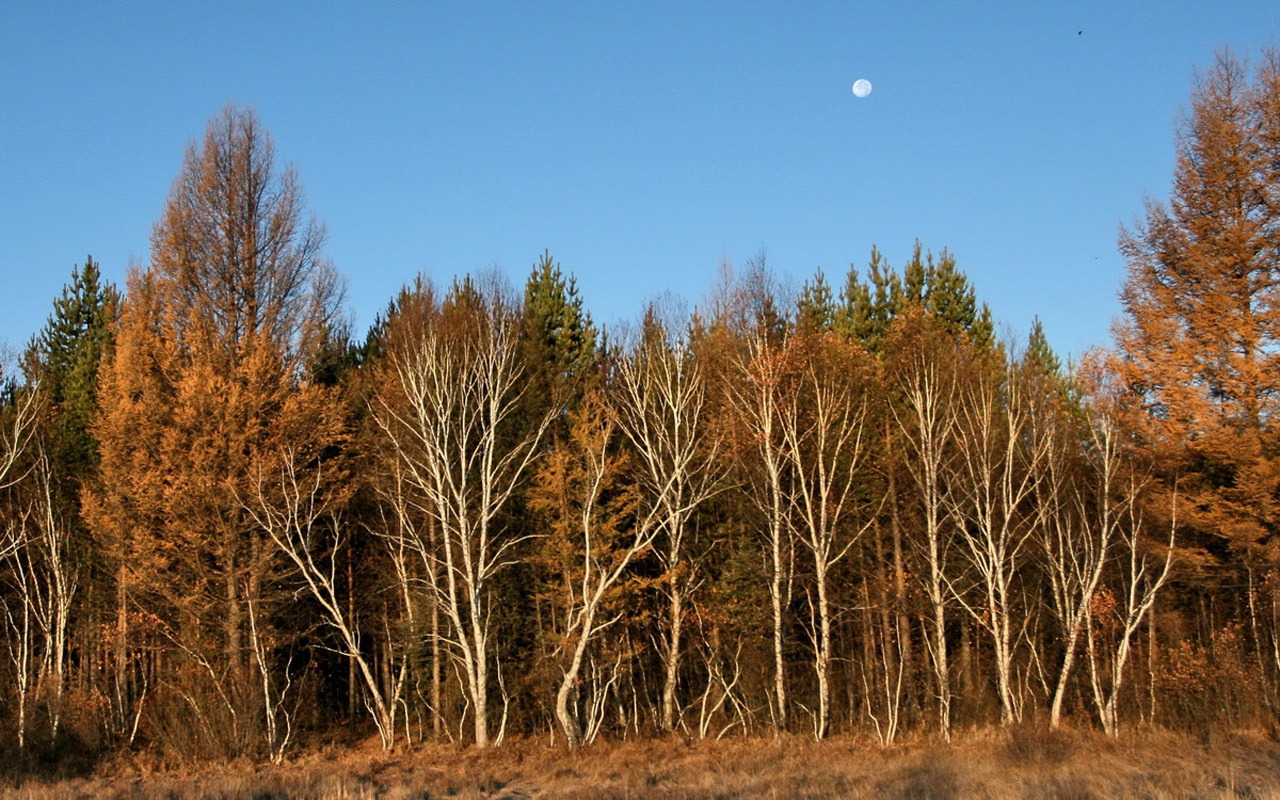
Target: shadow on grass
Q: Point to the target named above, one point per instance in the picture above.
(935, 779)
(64, 758)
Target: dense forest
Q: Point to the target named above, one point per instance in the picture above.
(229, 525)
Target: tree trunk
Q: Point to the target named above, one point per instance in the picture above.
(231, 622)
(672, 665)
(779, 662)
(822, 660)
(437, 669)
(121, 649)
(1060, 690)
(941, 670)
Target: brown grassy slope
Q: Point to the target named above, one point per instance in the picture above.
(1021, 763)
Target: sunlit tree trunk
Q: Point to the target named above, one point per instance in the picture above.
(51, 561)
(1142, 575)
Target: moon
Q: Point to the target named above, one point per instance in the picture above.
(862, 87)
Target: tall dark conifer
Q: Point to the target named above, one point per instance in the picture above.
(816, 309)
(64, 358)
(559, 338)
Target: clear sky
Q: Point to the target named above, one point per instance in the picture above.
(641, 143)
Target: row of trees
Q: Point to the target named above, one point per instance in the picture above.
(227, 525)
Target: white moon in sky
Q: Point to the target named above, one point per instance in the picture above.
(862, 87)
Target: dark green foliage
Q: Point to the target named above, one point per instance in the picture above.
(64, 357)
(558, 330)
(816, 308)
(1039, 354)
(335, 356)
(558, 341)
(869, 308)
(933, 284)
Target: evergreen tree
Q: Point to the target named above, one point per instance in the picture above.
(64, 357)
(917, 279)
(868, 309)
(559, 338)
(1040, 355)
(816, 309)
(935, 285)
(951, 297)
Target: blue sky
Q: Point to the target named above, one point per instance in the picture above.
(641, 143)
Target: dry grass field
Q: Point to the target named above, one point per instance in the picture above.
(1025, 762)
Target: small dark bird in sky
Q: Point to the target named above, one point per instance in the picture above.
(1079, 33)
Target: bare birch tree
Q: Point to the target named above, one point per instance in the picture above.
(1000, 461)
(923, 370)
(757, 394)
(17, 429)
(459, 378)
(299, 508)
(1079, 518)
(661, 400)
(824, 433)
(596, 535)
(1142, 574)
(52, 582)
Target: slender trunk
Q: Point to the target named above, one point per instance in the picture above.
(569, 682)
(822, 660)
(1275, 632)
(780, 682)
(882, 601)
(480, 678)
(59, 652)
(674, 635)
(437, 670)
(779, 663)
(1256, 632)
(1060, 690)
(232, 620)
(567, 718)
(121, 650)
(939, 620)
(1151, 657)
(905, 653)
(352, 678)
(1002, 648)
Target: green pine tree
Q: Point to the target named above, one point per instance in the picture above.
(560, 341)
(1039, 354)
(816, 308)
(917, 279)
(867, 309)
(934, 285)
(951, 298)
(64, 358)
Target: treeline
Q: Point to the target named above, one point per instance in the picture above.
(229, 527)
